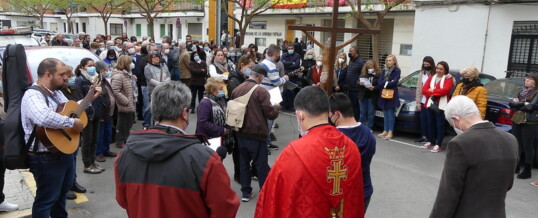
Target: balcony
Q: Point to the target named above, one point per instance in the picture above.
(183, 6)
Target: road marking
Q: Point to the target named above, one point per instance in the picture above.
(17, 214)
(404, 143)
(30, 182)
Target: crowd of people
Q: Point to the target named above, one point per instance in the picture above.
(162, 84)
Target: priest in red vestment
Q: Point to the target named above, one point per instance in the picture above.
(318, 175)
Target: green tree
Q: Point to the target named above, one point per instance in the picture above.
(37, 8)
(105, 8)
(357, 7)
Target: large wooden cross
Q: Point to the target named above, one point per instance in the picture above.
(329, 53)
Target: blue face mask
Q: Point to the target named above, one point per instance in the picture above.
(247, 73)
(196, 58)
(108, 74)
(290, 51)
(206, 48)
(71, 81)
(310, 57)
(239, 54)
(91, 70)
(232, 54)
(220, 94)
(229, 54)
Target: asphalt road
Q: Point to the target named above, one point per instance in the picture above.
(405, 180)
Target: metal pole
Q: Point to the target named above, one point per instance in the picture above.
(219, 22)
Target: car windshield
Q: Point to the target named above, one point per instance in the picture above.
(24, 40)
(504, 88)
(410, 81)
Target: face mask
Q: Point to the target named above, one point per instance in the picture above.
(465, 80)
(112, 47)
(340, 60)
(428, 68)
(247, 72)
(331, 121)
(196, 58)
(457, 130)
(303, 133)
(349, 55)
(220, 94)
(370, 70)
(309, 57)
(90, 70)
(232, 54)
(228, 55)
(102, 49)
(131, 51)
(166, 51)
(319, 63)
(71, 81)
(132, 66)
(206, 48)
(108, 74)
(290, 51)
(81, 45)
(239, 54)
(112, 57)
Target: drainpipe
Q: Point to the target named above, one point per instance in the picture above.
(486, 37)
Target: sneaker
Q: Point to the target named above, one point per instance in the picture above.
(98, 167)
(71, 195)
(421, 139)
(535, 184)
(276, 125)
(273, 146)
(427, 145)
(273, 137)
(8, 207)
(246, 198)
(100, 159)
(110, 154)
(436, 148)
(92, 170)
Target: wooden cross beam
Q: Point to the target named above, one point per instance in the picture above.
(332, 49)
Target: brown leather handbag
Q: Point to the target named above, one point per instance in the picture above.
(387, 94)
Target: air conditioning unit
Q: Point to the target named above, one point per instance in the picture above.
(196, 7)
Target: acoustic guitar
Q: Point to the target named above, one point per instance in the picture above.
(66, 140)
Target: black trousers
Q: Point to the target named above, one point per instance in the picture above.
(2, 174)
(196, 90)
(89, 135)
(140, 104)
(526, 136)
(125, 122)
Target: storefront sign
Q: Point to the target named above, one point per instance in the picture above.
(263, 33)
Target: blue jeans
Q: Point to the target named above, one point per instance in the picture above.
(174, 74)
(256, 151)
(104, 138)
(389, 119)
(354, 98)
(54, 175)
(424, 121)
(269, 127)
(367, 110)
(436, 127)
(147, 107)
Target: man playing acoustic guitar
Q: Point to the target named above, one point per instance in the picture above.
(53, 172)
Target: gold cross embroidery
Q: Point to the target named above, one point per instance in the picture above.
(338, 172)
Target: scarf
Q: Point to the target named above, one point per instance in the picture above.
(467, 87)
(221, 67)
(525, 92)
(218, 112)
(443, 101)
(92, 79)
(388, 71)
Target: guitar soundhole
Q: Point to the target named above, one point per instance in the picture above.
(73, 115)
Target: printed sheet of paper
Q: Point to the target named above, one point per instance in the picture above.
(276, 97)
(366, 82)
(214, 143)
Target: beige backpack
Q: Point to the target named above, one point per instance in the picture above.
(235, 111)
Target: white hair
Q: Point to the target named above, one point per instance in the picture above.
(461, 106)
(110, 42)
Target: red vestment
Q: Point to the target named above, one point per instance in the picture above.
(302, 181)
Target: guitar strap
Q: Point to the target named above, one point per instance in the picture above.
(33, 134)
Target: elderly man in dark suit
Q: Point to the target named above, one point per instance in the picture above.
(479, 166)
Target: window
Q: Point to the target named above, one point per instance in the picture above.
(260, 25)
(149, 31)
(260, 41)
(313, 33)
(83, 27)
(116, 29)
(138, 29)
(410, 81)
(163, 29)
(523, 55)
(406, 49)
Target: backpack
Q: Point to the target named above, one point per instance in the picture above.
(15, 82)
(235, 111)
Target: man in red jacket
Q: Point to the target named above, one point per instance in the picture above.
(318, 175)
(162, 172)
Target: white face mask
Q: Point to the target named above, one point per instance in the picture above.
(131, 51)
(166, 51)
(457, 129)
(340, 60)
(303, 133)
(370, 70)
(319, 63)
(132, 66)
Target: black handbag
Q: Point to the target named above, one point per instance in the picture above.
(434, 106)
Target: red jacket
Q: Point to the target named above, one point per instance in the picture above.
(437, 91)
(166, 174)
(302, 182)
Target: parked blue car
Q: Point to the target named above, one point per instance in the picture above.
(408, 119)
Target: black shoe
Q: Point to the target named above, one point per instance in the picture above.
(78, 188)
(273, 146)
(192, 112)
(526, 173)
(421, 139)
(273, 137)
(276, 125)
(268, 152)
(71, 195)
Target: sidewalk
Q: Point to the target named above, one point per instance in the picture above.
(19, 189)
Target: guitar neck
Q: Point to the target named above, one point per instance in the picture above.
(85, 102)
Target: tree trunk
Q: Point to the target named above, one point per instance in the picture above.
(41, 18)
(105, 21)
(150, 20)
(69, 25)
(375, 48)
(242, 33)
